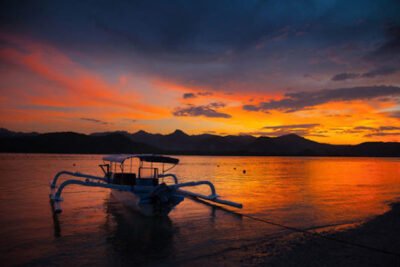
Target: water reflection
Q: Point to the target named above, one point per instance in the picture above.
(135, 233)
(56, 221)
(94, 229)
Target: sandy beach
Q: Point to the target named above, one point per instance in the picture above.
(381, 232)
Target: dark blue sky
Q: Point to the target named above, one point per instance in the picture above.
(192, 40)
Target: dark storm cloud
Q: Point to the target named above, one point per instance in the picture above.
(385, 70)
(205, 27)
(148, 26)
(345, 76)
(302, 100)
(390, 49)
(380, 71)
(209, 110)
(207, 43)
(94, 120)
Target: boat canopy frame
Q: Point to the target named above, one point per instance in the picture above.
(151, 158)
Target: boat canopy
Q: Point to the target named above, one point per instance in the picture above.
(142, 157)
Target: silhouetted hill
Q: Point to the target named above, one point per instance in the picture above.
(7, 133)
(69, 142)
(179, 142)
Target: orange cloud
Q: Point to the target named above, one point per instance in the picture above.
(50, 79)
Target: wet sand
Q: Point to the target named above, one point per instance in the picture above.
(299, 249)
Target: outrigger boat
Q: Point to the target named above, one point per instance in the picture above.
(144, 190)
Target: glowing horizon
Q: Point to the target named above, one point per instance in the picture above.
(337, 83)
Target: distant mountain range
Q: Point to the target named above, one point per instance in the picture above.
(181, 143)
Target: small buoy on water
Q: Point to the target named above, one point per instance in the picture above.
(244, 171)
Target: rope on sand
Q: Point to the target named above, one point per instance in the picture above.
(294, 229)
(308, 232)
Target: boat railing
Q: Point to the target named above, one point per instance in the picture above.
(148, 173)
(173, 176)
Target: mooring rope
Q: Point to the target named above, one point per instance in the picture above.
(320, 235)
(308, 232)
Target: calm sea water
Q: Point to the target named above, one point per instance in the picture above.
(94, 229)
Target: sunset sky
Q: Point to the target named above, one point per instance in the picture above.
(327, 70)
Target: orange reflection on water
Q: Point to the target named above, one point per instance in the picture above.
(290, 188)
(94, 228)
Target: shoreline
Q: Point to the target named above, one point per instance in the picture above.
(381, 232)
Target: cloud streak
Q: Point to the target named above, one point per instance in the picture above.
(389, 50)
(306, 129)
(301, 100)
(209, 111)
(94, 120)
(193, 95)
(188, 95)
(292, 126)
(381, 71)
(370, 131)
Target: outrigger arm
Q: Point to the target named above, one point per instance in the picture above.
(56, 198)
(213, 197)
(55, 195)
(75, 174)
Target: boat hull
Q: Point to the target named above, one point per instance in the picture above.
(147, 204)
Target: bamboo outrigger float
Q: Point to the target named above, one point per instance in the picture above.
(142, 190)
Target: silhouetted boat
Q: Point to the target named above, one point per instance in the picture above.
(141, 190)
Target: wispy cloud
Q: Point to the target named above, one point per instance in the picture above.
(94, 121)
(345, 76)
(302, 100)
(385, 70)
(380, 71)
(369, 131)
(292, 126)
(188, 95)
(194, 95)
(204, 93)
(209, 110)
(389, 50)
(299, 129)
